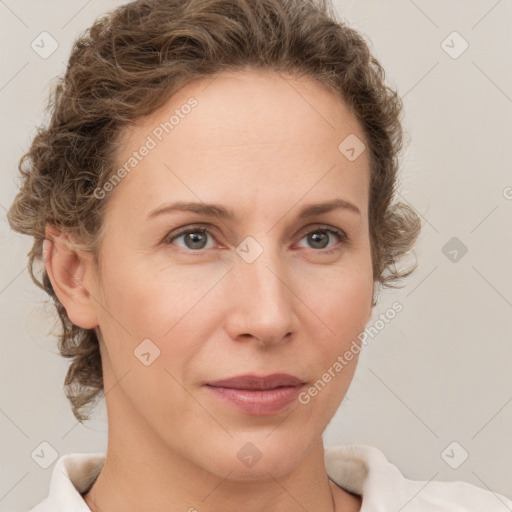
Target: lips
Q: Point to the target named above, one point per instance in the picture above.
(255, 395)
(257, 383)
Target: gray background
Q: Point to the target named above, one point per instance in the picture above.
(440, 371)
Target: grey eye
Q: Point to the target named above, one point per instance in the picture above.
(193, 239)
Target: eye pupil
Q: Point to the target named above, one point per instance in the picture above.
(195, 237)
(315, 237)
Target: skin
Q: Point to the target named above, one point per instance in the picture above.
(263, 145)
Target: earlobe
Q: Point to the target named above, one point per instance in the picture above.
(375, 295)
(67, 268)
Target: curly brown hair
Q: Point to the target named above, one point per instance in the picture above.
(129, 63)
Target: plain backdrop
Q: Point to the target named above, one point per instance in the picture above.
(433, 389)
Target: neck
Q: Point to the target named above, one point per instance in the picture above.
(135, 480)
(142, 471)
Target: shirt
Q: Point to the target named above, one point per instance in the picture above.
(357, 468)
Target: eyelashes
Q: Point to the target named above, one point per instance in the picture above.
(338, 233)
(203, 231)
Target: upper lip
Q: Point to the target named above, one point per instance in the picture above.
(251, 381)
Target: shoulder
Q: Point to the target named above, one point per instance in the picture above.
(71, 475)
(43, 506)
(365, 470)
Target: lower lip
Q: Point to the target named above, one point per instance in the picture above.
(258, 402)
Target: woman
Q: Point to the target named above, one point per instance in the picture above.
(215, 196)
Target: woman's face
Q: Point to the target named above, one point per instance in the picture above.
(254, 293)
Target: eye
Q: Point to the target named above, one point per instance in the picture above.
(319, 238)
(194, 238)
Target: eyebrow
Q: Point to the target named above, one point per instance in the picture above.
(220, 212)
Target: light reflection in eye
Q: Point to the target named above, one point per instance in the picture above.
(195, 238)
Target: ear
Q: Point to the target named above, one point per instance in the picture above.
(375, 297)
(67, 268)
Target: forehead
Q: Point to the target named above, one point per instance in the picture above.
(258, 134)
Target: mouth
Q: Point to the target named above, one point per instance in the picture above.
(255, 395)
(257, 383)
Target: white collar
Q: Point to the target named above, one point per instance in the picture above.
(357, 468)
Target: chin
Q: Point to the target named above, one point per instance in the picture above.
(254, 458)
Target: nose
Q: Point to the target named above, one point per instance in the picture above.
(262, 301)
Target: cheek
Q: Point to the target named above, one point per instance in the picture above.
(350, 305)
(340, 312)
(348, 317)
(150, 298)
(341, 299)
(174, 308)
